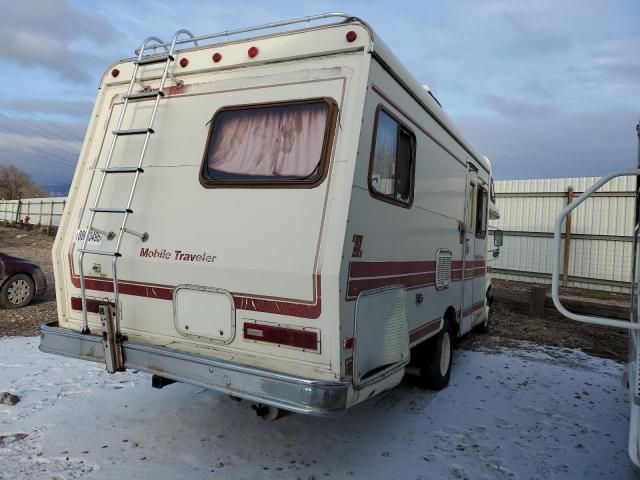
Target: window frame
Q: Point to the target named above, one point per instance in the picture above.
(482, 214)
(312, 181)
(401, 126)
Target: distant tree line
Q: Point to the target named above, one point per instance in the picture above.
(16, 183)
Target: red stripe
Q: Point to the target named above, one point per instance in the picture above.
(424, 330)
(472, 308)
(310, 310)
(93, 304)
(355, 287)
(380, 269)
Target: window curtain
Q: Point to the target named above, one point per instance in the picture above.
(269, 141)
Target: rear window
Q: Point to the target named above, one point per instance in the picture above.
(269, 144)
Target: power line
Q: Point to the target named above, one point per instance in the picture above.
(31, 126)
(73, 136)
(68, 132)
(20, 139)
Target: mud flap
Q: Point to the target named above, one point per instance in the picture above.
(381, 335)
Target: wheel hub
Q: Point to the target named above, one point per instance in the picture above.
(18, 292)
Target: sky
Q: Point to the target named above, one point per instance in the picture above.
(544, 88)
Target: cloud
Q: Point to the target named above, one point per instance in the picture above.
(517, 108)
(562, 145)
(42, 33)
(74, 108)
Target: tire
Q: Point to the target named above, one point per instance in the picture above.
(436, 370)
(17, 291)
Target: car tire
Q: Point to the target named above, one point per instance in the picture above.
(17, 291)
(436, 370)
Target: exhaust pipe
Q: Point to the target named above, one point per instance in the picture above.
(269, 413)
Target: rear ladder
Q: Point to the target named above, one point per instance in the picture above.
(112, 336)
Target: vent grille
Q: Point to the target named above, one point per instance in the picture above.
(443, 268)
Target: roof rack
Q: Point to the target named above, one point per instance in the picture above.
(227, 33)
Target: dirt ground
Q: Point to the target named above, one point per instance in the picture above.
(37, 247)
(508, 322)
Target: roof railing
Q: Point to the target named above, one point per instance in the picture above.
(228, 33)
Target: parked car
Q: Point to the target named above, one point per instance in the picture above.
(20, 281)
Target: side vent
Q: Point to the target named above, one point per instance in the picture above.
(443, 268)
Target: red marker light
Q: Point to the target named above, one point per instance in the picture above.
(115, 72)
(351, 36)
(348, 343)
(253, 51)
(184, 62)
(216, 57)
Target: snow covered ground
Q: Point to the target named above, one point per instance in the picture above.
(517, 413)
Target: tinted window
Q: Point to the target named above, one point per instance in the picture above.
(391, 174)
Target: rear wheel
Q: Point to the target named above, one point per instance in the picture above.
(17, 291)
(436, 369)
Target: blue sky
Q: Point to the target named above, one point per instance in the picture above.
(544, 88)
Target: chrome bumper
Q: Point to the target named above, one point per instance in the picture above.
(297, 394)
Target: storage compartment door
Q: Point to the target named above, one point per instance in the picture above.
(381, 334)
(204, 313)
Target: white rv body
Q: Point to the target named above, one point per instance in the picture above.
(307, 296)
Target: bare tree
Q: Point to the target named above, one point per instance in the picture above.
(15, 182)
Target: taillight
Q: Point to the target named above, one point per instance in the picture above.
(216, 57)
(291, 337)
(351, 36)
(252, 52)
(115, 72)
(184, 62)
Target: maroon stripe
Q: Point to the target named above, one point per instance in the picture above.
(424, 330)
(355, 287)
(472, 308)
(379, 269)
(93, 304)
(241, 302)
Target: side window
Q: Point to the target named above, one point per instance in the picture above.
(471, 208)
(481, 213)
(392, 161)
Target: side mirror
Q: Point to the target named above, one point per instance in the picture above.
(498, 238)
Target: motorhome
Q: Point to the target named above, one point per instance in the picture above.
(281, 213)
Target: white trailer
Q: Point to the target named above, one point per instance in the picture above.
(286, 217)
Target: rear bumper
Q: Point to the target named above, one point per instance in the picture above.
(298, 394)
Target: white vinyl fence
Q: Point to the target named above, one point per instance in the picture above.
(599, 231)
(45, 212)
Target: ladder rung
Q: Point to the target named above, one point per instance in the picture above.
(111, 210)
(122, 170)
(100, 252)
(133, 131)
(150, 60)
(134, 96)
